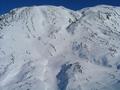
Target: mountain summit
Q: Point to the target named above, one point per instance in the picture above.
(54, 48)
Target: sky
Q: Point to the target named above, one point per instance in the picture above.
(7, 5)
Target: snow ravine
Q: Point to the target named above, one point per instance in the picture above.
(54, 48)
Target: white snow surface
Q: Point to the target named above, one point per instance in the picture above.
(54, 48)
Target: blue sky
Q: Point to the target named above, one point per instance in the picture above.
(6, 5)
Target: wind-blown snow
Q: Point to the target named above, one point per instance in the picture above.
(54, 48)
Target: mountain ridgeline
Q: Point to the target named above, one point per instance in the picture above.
(54, 48)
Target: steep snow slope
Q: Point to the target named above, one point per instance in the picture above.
(54, 48)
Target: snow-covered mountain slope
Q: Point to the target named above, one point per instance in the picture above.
(54, 48)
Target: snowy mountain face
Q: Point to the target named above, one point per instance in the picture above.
(54, 48)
